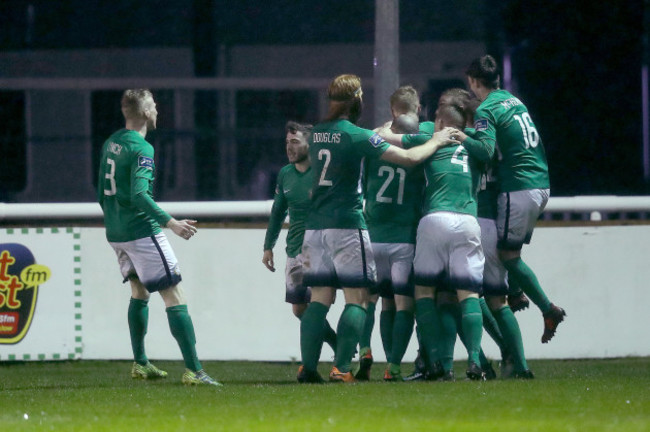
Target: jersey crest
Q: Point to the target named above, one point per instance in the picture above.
(145, 162)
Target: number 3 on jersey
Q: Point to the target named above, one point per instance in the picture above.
(110, 176)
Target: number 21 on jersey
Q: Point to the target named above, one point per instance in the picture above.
(390, 172)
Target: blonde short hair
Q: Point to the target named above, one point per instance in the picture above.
(405, 100)
(133, 102)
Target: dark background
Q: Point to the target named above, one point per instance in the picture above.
(576, 67)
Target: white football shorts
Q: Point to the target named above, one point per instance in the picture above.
(339, 258)
(150, 259)
(394, 263)
(448, 253)
(495, 275)
(297, 292)
(517, 214)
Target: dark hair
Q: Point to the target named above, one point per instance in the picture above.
(462, 99)
(452, 115)
(485, 70)
(295, 127)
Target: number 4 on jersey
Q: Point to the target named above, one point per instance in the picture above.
(460, 160)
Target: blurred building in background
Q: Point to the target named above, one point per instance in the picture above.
(218, 138)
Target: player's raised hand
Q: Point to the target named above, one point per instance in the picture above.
(184, 228)
(267, 260)
(447, 136)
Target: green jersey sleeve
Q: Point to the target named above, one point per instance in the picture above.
(503, 120)
(481, 149)
(142, 170)
(278, 214)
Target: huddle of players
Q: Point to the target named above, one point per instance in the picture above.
(465, 241)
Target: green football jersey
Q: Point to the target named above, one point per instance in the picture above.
(410, 140)
(451, 181)
(504, 121)
(394, 195)
(393, 201)
(336, 149)
(125, 188)
(488, 186)
(488, 192)
(292, 195)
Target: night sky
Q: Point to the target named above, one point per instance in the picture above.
(577, 68)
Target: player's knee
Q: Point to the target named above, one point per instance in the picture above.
(495, 302)
(172, 296)
(138, 291)
(357, 296)
(299, 310)
(422, 291)
(464, 294)
(507, 254)
(445, 298)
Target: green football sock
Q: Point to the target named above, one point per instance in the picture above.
(348, 334)
(428, 319)
(329, 336)
(138, 321)
(368, 325)
(472, 320)
(312, 326)
(449, 317)
(386, 323)
(512, 335)
(483, 361)
(402, 331)
(492, 327)
(525, 278)
(180, 324)
(422, 353)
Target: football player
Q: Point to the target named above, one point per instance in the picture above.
(133, 223)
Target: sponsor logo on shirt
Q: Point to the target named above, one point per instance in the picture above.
(145, 162)
(481, 125)
(375, 140)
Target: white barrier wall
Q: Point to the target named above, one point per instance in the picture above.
(598, 274)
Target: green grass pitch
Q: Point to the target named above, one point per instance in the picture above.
(569, 395)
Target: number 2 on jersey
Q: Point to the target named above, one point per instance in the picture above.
(327, 155)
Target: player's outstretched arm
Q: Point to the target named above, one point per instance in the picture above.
(389, 136)
(267, 259)
(418, 154)
(184, 228)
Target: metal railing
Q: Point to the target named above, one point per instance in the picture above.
(590, 208)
